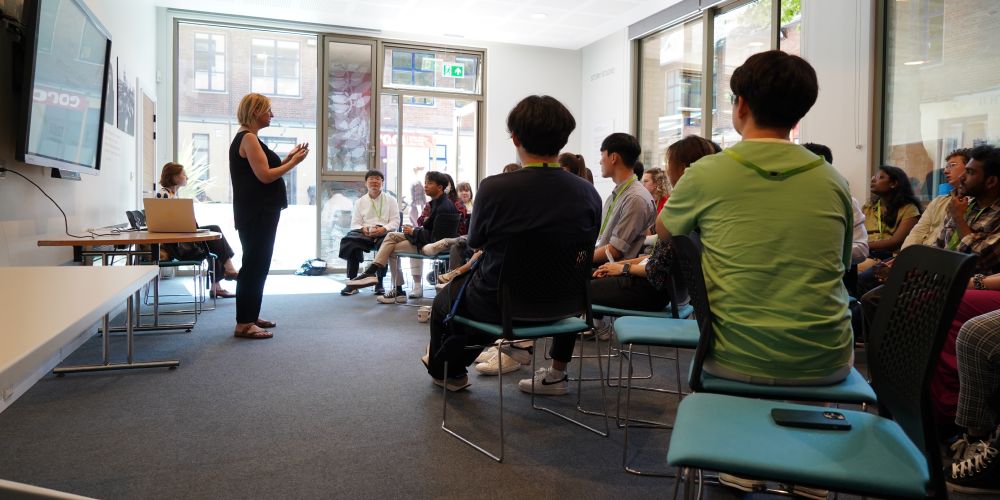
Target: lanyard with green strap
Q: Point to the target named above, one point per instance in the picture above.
(955, 237)
(378, 210)
(541, 165)
(614, 201)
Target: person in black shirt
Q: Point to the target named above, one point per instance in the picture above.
(258, 198)
(541, 197)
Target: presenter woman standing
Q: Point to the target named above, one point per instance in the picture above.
(258, 198)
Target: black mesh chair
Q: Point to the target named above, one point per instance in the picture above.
(897, 458)
(445, 226)
(543, 292)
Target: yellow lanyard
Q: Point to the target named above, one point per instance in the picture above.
(878, 215)
(614, 201)
(378, 210)
(542, 165)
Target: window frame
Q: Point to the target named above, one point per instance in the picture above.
(212, 71)
(275, 77)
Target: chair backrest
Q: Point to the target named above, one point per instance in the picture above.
(545, 277)
(687, 266)
(446, 226)
(914, 314)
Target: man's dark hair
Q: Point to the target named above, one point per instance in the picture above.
(820, 150)
(542, 124)
(444, 180)
(625, 145)
(990, 158)
(374, 173)
(638, 168)
(779, 88)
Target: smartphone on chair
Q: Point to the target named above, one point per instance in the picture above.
(821, 418)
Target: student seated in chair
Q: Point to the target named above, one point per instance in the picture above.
(376, 214)
(172, 178)
(440, 188)
(539, 198)
(776, 227)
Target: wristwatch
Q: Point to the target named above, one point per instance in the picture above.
(977, 282)
(625, 268)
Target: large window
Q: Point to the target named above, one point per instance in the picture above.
(275, 67)
(678, 96)
(670, 88)
(210, 62)
(281, 65)
(941, 92)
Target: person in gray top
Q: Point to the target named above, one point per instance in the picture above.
(629, 209)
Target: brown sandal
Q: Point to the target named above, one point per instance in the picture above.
(247, 332)
(263, 323)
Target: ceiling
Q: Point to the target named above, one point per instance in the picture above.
(565, 24)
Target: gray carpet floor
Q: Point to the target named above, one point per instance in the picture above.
(336, 405)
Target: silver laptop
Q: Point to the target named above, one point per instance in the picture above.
(175, 215)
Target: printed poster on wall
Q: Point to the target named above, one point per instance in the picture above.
(126, 101)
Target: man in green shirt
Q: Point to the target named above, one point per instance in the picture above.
(776, 225)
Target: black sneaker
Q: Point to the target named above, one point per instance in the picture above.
(348, 291)
(379, 290)
(978, 475)
(365, 279)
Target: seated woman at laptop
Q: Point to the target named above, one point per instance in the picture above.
(171, 179)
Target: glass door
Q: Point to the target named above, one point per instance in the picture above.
(348, 150)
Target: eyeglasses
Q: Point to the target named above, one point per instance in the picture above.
(952, 164)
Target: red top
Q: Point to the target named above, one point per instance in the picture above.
(659, 204)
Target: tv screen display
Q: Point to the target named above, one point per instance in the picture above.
(67, 53)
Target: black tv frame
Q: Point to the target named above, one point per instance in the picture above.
(24, 64)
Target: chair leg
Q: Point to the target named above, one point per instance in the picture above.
(628, 405)
(444, 418)
(604, 399)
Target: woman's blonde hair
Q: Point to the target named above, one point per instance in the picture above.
(660, 181)
(251, 106)
(169, 172)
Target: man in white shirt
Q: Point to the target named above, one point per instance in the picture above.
(375, 215)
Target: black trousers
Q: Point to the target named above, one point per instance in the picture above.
(352, 248)
(221, 249)
(622, 292)
(257, 237)
(449, 342)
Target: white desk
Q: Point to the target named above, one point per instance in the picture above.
(47, 313)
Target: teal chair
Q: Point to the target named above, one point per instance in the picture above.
(541, 294)
(893, 455)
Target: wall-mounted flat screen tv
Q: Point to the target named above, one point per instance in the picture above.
(64, 86)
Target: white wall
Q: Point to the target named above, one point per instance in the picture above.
(607, 77)
(95, 200)
(514, 72)
(842, 116)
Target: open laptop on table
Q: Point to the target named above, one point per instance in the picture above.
(174, 215)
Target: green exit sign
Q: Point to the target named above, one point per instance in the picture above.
(453, 70)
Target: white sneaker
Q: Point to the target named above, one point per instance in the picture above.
(453, 384)
(486, 355)
(522, 352)
(492, 365)
(417, 293)
(392, 297)
(544, 383)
